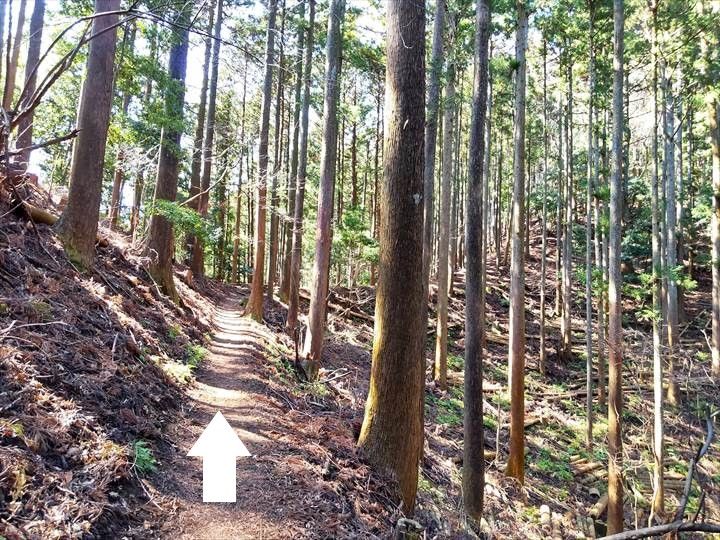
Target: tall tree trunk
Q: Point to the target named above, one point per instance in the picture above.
(221, 203)
(25, 128)
(197, 155)
(516, 347)
(566, 321)
(440, 366)
(713, 112)
(588, 235)
(323, 242)
(473, 471)
(681, 190)
(600, 258)
(543, 255)
(670, 240)
(11, 73)
(161, 243)
(119, 175)
(3, 9)
(354, 202)
(235, 274)
(559, 222)
(431, 129)
(254, 306)
(658, 427)
(77, 227)
(197, 264)
(292, 178)
(277, 164)
(296, 258)
(392, 432)
(615, 345)
(138, 190)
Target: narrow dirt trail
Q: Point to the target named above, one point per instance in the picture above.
(228, 382)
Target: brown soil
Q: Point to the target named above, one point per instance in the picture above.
(299, 481)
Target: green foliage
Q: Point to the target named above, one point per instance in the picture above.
(194, 355)
(554, 466)
(681, 278)
(174, 331)
(355, 236)
(455, 362)
(144, 460)
(449, 411)
(184, 219)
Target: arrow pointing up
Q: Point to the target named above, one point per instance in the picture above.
(219, 445)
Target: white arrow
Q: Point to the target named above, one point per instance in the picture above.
(219, 445)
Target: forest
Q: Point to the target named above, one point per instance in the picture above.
(413, 269)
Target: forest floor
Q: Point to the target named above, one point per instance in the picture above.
(105, 386)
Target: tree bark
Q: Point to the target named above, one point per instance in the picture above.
(292, 178)
(588, 235)
(615, 345)
(25, 128)
(441, 339)
(235, 277)
(713, 112)
(277, 164)
(11, 72)
(543, 256)
(671, 289)
(254, 306)
(567, 257)
(473, 471)
(78, 225)
(197, 155)
(296, 255)
(197, 265)
(658, 427)
(3, 9)
(516, 347)
(392, 432)
(431, 128)
(161, 242)
(323, 241)
(137, 201)
(601, 260)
